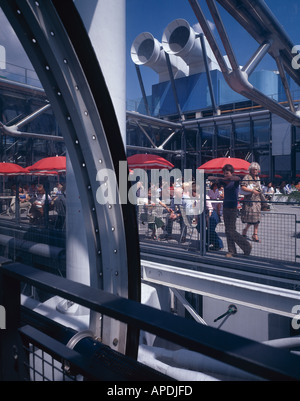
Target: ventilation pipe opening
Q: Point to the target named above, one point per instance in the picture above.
(147, 50)
(180, 39)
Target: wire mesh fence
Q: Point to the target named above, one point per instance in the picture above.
(41, 366)
(278, 236)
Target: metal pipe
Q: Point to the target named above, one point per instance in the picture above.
(285, 83)
(146, 134)
(31, 117)
(224, 118)
(174, 87)
(156, 121)
(209, 35)
(10, 131)
(156, 150)
(167, 140)
(138, 72)
(223, 34)
(209, 81)
(250, 66)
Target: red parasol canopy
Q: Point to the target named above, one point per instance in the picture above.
(215, 166)
(11, 169)
(147, 161)
(49, 164)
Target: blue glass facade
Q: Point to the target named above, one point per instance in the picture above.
(193, 92)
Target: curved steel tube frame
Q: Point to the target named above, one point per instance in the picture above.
(259, 22)
(58, 46)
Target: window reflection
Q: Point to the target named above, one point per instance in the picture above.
(32, 207)
(242, 134)
(261, 132)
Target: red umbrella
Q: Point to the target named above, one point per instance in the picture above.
(11, 169)
(147, 161)
(215, 166)
(49, 164)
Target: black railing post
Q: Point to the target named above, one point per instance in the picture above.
(12, 355)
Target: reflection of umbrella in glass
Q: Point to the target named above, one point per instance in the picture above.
(56, 164)
(11, 169)
(215, 166)
(147, 162)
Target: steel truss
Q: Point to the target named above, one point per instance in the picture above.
(258, 20)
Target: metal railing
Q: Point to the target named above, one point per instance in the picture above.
(278, 232)
(255, 358)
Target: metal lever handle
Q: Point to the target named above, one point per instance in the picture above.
(232, 309)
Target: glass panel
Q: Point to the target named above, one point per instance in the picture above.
(297, 134)
(32, 225)
(224, 133)
(207, 138)
(242, 134)
(261, 132)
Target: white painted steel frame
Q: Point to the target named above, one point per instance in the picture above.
(257, 296)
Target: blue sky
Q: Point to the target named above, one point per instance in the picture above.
(154, 15)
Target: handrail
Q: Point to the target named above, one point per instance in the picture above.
(250, 356)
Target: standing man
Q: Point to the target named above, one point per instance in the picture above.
(231, 192)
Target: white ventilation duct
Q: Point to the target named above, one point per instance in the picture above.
(148, 51)
(180, 39)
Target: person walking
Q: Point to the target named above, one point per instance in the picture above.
(231, 182)
(251, 210)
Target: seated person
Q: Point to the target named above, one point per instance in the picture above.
(23, 201)
(174, 213)
(37, 208)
